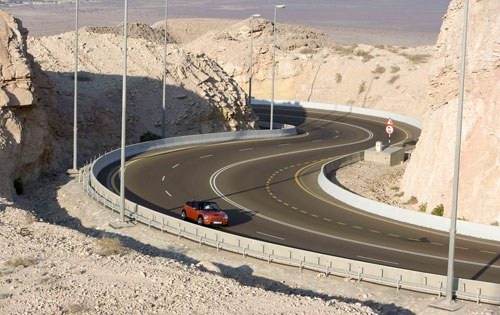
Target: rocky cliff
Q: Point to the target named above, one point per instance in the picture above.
(429, 175)
(201, 97)
(37, 96)
(312, 67)
(25, 137)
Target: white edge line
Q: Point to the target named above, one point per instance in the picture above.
(269, 235)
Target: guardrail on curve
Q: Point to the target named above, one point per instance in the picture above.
(385, 275)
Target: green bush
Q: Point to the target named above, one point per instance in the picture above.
(438, 210)
(148, 136)
(422, 207)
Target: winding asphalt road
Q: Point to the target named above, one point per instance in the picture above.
(269, 190)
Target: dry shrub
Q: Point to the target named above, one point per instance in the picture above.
(344, 50)
(307, 51)
(395, 69)
(108, 246)
(21, 262)
(393, 79)
(338, 77)
(365, 55)
(412, 201)
(379, 70)
(417, 58)
(362, 87)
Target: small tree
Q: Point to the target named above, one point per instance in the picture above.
(422, 207)
(438, 210)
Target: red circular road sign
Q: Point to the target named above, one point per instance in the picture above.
(389, 129)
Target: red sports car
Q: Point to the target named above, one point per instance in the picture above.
(204, 212)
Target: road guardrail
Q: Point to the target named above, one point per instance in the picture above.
(272, 253)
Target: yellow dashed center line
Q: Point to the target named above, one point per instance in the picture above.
(393, 235)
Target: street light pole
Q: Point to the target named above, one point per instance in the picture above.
(163, 113)
(250, 70)
(456, 172)
(75, 97)
(124, 116)
(281, 6)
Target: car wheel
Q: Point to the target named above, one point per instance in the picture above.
(200, 220)
(183, 215)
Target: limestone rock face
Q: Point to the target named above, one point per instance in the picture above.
(25, 142)
(312, 67)
(429, 175)
(200, 96)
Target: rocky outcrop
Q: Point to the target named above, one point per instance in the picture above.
(429, 175)
(311, 67)
(200, 96)
(25, 142)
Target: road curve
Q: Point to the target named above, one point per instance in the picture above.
(269, 189)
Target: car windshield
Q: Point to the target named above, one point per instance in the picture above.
(212, 206)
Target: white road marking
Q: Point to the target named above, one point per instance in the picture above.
(318, 140)
(163, 178)
(413, 239)
(269, 235)
(357, 227)
(394, 235)
(283, 144)
(379, 260)
(437, 243)
(487, 252)
(465, 248)
(175, 165)
(341, 223)
(326, 219)
(374, 231)
(170, 195)
(313, 215)
(247, 149)
(205, 156)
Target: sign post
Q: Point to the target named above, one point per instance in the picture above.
(389, 128)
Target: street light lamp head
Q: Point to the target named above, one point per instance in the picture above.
(256, 15)
(281, 6)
